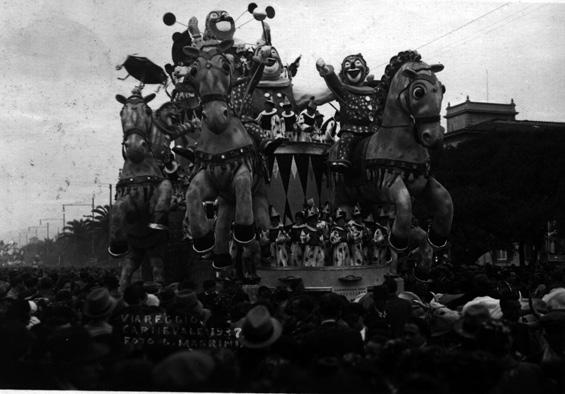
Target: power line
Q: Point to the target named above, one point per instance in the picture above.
(511, 18)
(462, 26)
(457, 29)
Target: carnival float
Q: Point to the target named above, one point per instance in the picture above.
(238, 171)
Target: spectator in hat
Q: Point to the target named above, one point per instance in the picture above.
(331, 339)
(184, 371)
(98, 307)
(76, 357)
(258, 337)
(469, 324)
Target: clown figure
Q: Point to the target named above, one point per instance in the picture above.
(269, 120)
(296, 246)
(307, 122)
(356, 230)
(338, 241)
(288, 121)
(313, 239)
(278, 239)
(358, 104)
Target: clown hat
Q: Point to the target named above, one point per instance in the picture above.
(273, 212)
(356, 211)
(312, 104)
(340, 213)
(286, 102)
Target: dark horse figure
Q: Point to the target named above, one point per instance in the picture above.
(393, 164)
(139, 216)
(228, 167)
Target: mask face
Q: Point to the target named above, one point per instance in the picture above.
(220, 25)
(274, 67)
(354, 70)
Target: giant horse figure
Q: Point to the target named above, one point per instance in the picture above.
(228, 167)
(393, 164)
(139, 216)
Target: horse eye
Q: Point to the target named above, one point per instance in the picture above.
(419, 92)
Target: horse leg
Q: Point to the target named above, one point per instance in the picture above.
(221, 258)
(438, 200)
(243, 230)
(261, 208)
(401, 227)
(155, 256)
(160, 205)
(118, 226)
(131, 264)
(200, 190)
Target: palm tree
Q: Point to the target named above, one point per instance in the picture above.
(76, 239)
(98, 226)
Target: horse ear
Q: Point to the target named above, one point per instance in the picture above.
(191, 52)
(225, 45)
(409, 73)
(149, 97)
(121, 99)
(436, 68)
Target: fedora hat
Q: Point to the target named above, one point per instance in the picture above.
(99, 303)
(470, 322)
(259, 329)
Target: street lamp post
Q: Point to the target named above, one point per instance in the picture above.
(46, 220)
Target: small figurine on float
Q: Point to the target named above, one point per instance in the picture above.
(369, 249)
(313, 238)
(250, 258)
(330, 129)
(356, 230)
(358, 103)
(288, 121)
(269, 120)
(317, 135)
(338, 240)
(383, 253)
(278, 239)
(296, 246)
(307, 122)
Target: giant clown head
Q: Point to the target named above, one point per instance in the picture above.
(219, 25)
(354, 70)
(273, 63)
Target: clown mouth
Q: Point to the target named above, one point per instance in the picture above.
(353, 73)
(223, 26)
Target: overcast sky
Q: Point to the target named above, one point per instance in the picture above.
(61, 132)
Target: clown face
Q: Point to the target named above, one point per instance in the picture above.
(220, 25)
(354, 70)
(273, 67)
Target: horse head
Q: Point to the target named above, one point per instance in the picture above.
(414, 99)
(136, 118)
(211, 75)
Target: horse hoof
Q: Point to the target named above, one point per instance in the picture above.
(157, 226)
(117, 251)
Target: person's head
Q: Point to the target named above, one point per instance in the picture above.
(416, 332)
(511, 309)
(135, 294)
(299, 217)
(330, 306)
(258, 329)
(184, 371)
(269, 105)
(99, 304)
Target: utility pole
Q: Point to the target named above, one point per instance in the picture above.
(487, 84)
(111, 197)
(46, 220)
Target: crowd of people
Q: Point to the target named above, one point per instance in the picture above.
(467, 330)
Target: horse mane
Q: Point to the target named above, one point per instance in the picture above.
(391, 69)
